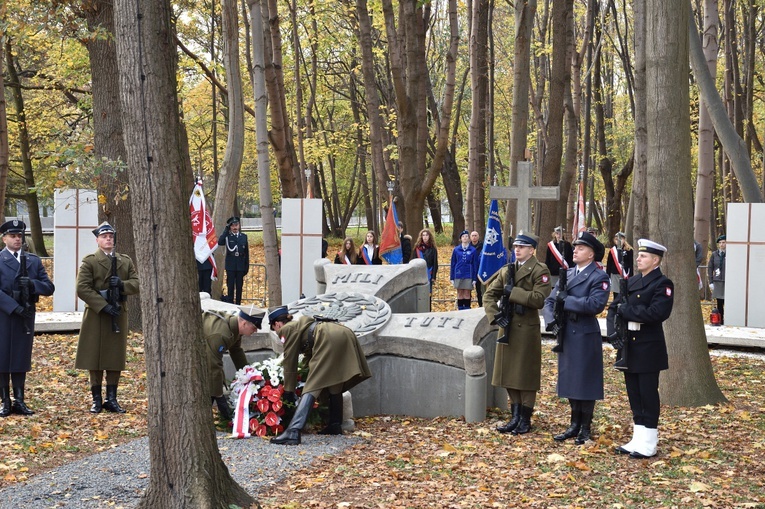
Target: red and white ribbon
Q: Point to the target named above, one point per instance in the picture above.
(241, 427)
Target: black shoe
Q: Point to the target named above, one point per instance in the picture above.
(111, 404)
(558, 348)
(513, 423)
(335, 424)
(18, 406)
(291, 435)
(223, 409)
(570, 432)
(524, 426)
(5, 399)
(584, 432)
(98, 400)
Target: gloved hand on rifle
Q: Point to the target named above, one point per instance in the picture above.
(616, 341)
(24, 313)
(116, 281)
(25, 282)
(289, 397)
(560, 298)
(500, 320)
(509, 287)
(553, 327)
(111, 310)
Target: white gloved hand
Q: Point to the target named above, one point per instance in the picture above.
(712, 286)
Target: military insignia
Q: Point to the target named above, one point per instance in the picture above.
(668, 291)
(282, 339)
(15, 222)
(545, 278)
(604, 285)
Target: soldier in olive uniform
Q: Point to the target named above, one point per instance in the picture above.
(17, 315)
(650, 295)
(580, 363)
(223, 332)
(237, 258)
(518, 363)
(335, 363)
(99, 348)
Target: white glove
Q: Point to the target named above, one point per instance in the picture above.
(712, 286)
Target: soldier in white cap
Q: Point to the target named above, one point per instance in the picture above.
(649, 301)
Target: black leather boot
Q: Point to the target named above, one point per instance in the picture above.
(111, 405)
(576, 424)
(524, 426)
(584, 432)
(291, 435)
(5, 401)
(19, 407)
(513, 423)
(98, 400)
(335, 424)
(223, 409)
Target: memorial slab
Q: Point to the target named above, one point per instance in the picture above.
(745, 257)
(301, 246)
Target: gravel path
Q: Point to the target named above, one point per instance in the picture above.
(118, 477)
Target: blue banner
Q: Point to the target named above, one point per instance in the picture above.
(494, 255)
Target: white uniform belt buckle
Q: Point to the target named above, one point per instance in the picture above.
(236, 254)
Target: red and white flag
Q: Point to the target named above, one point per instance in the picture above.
(578, 225)
(205, 240)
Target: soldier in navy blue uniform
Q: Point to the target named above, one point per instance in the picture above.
(580, 364)
(17, 319)
(649, 302)
(237, 258)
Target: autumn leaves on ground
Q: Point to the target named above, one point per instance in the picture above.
(708, 457)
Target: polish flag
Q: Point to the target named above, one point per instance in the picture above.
(578, 225)
(205, 240)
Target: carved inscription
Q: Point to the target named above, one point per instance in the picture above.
(433, 322)
(358, 277)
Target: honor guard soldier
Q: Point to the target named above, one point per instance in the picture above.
(649, 301)
(22, 280)
(104, 281)
(223, 333)
(580, 363)
(521, 287)
(237, 258)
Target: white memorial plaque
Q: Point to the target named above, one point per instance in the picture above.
(75, 216)
(745, 265)
(301, 246)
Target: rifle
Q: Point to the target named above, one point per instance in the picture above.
(506, 307)
(21, 294)
(620, 337)
(113, 295)
(559, 314)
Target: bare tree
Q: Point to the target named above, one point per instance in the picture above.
(186, 467)
(690, 380)
(4, 153)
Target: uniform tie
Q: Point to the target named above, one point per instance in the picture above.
(16, 254)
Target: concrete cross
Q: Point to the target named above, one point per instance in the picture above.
(524, 192)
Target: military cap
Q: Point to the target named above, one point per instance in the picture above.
(252, 314)
(620, 235)
(588, 239)
(526, 239)
(103, 228)
(720, 239)
(232, 220)
(649, 246)
(465, 232)
(558, 229)
(275, 313)
(15, 226)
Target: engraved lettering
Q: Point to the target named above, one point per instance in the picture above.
(377, 279)
(426, 321)
(459, 322)
(443, 321)
(410, 320)
(355, 277)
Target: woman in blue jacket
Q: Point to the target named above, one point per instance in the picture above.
(464, 270)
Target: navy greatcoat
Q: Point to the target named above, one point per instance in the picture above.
(15, 343)
(237, 251)
(649, 303)
(580, 364)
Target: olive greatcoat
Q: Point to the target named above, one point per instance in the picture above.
(580, 364)
(15, 342)
(100, 349)
(335, 357)
(518, 364)
(221, 332)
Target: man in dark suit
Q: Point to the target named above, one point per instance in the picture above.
(580, 364)
(237, 258)
(649, 301)
(17, 316)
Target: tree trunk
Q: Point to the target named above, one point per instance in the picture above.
(4, 152)
(113, 187)
(29, 194)
(264, 169)
(479, 38)
(690, 380)
(705, 177)
(637, 223)
(228, 176)
(186, 467)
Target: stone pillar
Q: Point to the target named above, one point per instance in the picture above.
(321, 278)
(475, 384)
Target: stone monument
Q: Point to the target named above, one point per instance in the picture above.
(745, 259)
(301, 246)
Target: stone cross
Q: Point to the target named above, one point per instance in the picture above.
(524, 192)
